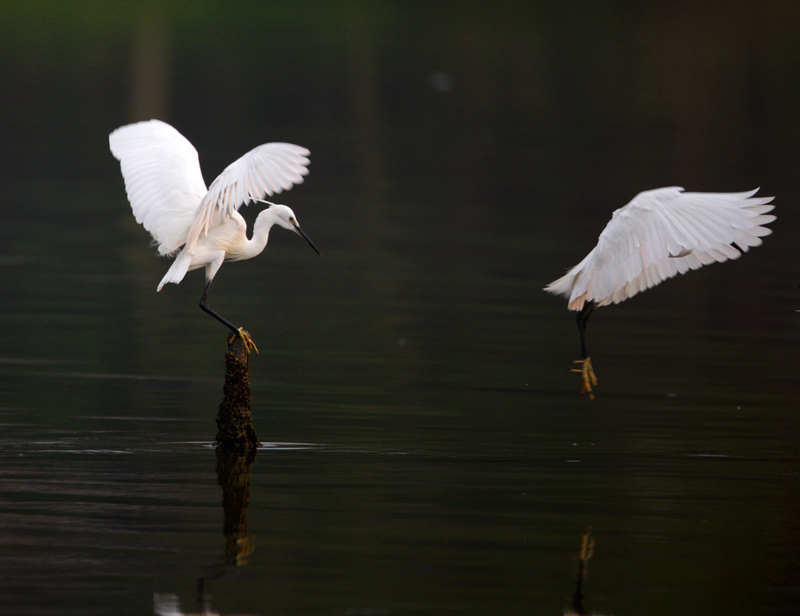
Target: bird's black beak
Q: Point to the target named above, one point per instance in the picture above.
(306, 238)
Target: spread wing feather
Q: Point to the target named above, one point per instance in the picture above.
(659, 234)
(162, 177)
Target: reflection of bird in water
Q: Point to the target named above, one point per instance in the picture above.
(659, 234)
(168, 604)
(233, 475)
(202, 225)
(586, 552)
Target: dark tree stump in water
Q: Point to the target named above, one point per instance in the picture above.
(234, 420)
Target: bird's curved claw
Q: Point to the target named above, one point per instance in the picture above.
(248, 341)
(587, 373)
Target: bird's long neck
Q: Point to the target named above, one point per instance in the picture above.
(256, 244)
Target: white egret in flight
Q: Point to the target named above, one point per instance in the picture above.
(202, 225)
(660, 233)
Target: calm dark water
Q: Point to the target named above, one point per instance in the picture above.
(425, 450)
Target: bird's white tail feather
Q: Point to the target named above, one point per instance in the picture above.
(562, 286)
(177, 270)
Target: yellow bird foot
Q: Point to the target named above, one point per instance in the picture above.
(587, 373)
(248, 341)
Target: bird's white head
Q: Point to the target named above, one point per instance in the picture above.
(283, 216)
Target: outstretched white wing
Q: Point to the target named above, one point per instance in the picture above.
(659, 234)
(268, 169)
(162, 178)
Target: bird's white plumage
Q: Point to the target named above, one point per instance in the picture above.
(162, 177)
(264, 171)
(659, 234)
(165, 186)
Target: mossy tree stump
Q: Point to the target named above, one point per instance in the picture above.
(234, 419)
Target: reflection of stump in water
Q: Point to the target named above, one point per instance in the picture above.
(234, 420)
(233, 475)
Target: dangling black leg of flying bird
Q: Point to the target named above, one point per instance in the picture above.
(586, 371)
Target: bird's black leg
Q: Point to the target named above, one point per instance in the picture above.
(207, 309)
(587, 372)
(583, 318)
(237, 331)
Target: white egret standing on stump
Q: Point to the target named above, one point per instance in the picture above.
(202, 225)
(660, 233)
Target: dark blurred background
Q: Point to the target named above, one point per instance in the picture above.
(452, 144)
